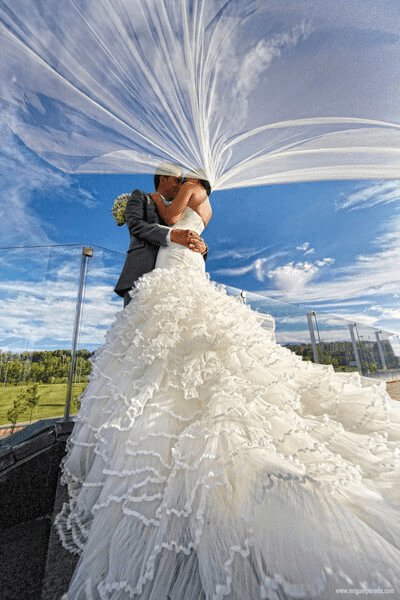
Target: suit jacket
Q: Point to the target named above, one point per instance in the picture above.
(147, 233)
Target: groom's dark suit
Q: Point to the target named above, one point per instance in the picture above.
(147, 232)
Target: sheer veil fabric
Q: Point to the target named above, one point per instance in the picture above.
(254, 93)
(208, 462)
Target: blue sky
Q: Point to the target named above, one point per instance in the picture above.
(330, 246)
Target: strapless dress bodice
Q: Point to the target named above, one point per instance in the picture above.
(178, 256)
(190, 219)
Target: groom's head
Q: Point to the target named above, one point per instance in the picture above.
(168, 179)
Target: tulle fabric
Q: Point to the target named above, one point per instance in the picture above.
(208, 462)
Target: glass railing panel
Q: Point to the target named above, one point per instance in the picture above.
(327, 339)
(37, 297)
(98, 306)
(100, 303)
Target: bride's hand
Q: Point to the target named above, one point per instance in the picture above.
(188, 238)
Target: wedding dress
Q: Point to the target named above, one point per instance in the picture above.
(208, 462)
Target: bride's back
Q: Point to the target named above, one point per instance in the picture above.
(199, 201)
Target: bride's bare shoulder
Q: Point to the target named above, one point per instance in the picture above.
(197, 191)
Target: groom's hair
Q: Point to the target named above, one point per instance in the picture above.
(168, 169)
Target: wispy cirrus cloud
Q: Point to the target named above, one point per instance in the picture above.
(249, 69)
(258, 60)
(370, 195)
(237, 253)
(259, 267)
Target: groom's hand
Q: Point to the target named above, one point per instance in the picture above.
(188, 238)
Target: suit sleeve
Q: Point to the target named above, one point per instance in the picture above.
(136, 220)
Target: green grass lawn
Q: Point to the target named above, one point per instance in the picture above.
(51, 403)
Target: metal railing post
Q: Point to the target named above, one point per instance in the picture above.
(354, 342)
(381, 350)
(86, 253)
(312, 336)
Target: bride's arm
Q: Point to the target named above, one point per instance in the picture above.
(172, 213)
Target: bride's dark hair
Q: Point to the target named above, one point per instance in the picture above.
(206, 185)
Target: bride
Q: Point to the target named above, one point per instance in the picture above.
(208, 462)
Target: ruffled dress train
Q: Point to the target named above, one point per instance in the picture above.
(208, 462)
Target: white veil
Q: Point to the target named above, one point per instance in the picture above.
(253, 93)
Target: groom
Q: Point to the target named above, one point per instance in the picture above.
(148, 231)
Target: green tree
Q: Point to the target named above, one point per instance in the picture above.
(32, 397)
(19, 407)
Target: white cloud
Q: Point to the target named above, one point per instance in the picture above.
(324, 261)
(341, 304)
(303, 247)
(259, 267)
(367, 196)
(37, 310)
(236, 271)
(306, 248)
(43, 313)
(292, 278)
(241, 253)
(357, 317)
(375, 307)
(371, 280)
(21, 176)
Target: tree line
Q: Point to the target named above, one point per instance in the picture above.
(341, 355)
(43, 366)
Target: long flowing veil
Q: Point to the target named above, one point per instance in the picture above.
(257, 92)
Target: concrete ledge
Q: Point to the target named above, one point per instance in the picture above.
(62, 429)
(34, 444)
(29, 467)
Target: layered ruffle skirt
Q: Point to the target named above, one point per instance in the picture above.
(208, 462)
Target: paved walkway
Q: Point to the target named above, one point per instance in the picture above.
(5, 431)
(393, 388)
